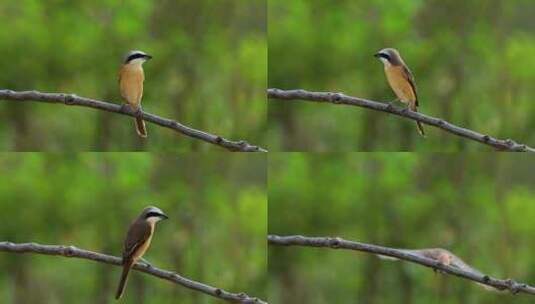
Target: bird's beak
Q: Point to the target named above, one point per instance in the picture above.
(165, 217)
(148, 57)
(376, 55)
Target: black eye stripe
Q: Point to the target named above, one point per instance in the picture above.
(135, 56)
(151, 214)
(385, 56)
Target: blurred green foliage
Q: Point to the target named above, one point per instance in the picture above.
(479, 206)
(472, 61)
(208, 71)
(216, 232)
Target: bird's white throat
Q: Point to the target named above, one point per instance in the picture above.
(137, 61)
(385, 61)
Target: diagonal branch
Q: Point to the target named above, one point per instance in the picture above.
(72, 99)
(338, 243)
(339, 98)
(71, 251)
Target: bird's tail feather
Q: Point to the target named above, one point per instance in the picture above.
(124, 276)
(420, 128)
(140, 127)
(419, 125)
(386, 257)
(489, 288)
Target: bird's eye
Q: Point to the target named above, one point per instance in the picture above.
(385, 56)
(151, 214)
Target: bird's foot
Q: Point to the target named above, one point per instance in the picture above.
(126, 107)
(147, 264)
(138, 112)
(392, 104)
(437, 270)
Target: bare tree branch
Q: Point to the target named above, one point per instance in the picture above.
(339, 98)
(71, 251)
(71, 99)
(338, 243)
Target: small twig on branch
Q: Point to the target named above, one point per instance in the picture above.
(338, 243)
(72, 99)
(71, 251)
(339, 98)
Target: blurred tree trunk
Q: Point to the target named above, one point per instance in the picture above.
(370, 131)
(105, 291)
(21, 282)
(395, 238)
(503, 174)
(367, 294)
(18, 116)
(408, 133)
(139, 287)
(289, 128)
(104, 128)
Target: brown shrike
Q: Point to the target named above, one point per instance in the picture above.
(444, 257)
(131, 79)
(138, 241)
(400, 80)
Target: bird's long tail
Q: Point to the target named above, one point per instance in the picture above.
(124, 276)
(418, 124)
(386, 257)
(420, 128)
(140, 127)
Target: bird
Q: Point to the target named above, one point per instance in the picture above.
(400, 79)
(137, 241)
(444, 257)
(131, 77)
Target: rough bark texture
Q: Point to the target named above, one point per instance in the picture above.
(338, 98)
(338, 243)
(71, 99)
(73, 252)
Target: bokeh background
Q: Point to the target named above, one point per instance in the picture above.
(471, 61)
(479, 206)
(216, 203)
(208, 71)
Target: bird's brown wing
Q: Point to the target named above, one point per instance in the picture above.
(434, 253)
(426, 253)
(408, 75)
(457, 262)
(137, 235)
(430, 253)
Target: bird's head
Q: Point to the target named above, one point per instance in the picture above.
(389, 56)
(153, 214)
(136, 57)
